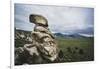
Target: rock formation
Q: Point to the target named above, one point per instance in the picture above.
(44, 48)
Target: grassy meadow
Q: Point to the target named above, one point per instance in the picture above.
(74, 49)
(77, 49)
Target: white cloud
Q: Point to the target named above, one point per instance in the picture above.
(60, 19)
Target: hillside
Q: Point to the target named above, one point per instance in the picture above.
(75, 47)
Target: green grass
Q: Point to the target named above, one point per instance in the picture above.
(77, 49)
(74, 49)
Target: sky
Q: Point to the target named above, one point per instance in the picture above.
(62, 19)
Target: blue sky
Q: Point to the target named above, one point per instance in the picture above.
(63, 19)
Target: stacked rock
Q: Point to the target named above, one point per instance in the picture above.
(43, 48)
(43, 39)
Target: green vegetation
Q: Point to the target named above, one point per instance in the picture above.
(74, 49)
(77, 49)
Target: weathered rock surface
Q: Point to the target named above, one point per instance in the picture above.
(43, 48)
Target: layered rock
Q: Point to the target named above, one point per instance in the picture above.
(43, 45)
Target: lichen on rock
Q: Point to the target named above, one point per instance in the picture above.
(43, 48)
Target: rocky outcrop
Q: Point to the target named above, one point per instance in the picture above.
(43, 48)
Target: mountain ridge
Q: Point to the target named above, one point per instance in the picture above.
(57, 34)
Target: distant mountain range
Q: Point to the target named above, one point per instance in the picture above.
(26, 34)
(74, 35)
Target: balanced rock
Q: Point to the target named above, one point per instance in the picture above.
(44, 39)
(43, 48)
(38, 19)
